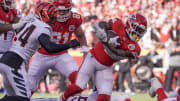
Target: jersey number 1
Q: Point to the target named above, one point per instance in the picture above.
(26, 34)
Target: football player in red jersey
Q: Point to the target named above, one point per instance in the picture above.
(107, 51)
(9, 18)
(66, 24)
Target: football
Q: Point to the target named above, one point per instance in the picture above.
(111, 34)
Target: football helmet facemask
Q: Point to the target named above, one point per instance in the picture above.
(64, 9)
(7, 4)
(136, 26)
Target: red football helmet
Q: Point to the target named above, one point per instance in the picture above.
(136, 26)
(46, 12)
(64, 9)
(7, 4)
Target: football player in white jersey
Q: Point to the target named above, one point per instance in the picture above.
(34, 34)
(8, 23)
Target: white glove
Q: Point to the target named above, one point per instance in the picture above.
(20, 24)
(100, 32)
(84, 49)
(114, 41)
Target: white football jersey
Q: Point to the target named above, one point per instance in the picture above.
(27, 39)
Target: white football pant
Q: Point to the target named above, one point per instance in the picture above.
(63, 63)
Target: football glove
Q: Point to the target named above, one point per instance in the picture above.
(20, 24)
(100, 32)
(74, 43)
(114, 41)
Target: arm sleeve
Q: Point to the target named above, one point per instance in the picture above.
(50, 47)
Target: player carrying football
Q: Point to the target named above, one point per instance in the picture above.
(107, 51)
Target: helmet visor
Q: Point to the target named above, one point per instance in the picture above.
(135, 36)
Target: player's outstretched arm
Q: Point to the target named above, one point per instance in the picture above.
(5, 27)
(14, 26)
(52, 47)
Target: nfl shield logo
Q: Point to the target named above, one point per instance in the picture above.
(71, 28)
(131, 46)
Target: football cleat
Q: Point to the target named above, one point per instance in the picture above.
(155, 84)
(152, 93)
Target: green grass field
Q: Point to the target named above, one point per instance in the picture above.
(136, 97)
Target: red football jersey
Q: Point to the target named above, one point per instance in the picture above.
(126, 44)
(62, 32)
(7, 17)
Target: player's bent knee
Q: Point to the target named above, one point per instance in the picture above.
(72, 77)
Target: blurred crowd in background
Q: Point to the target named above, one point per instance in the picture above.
(160, 54)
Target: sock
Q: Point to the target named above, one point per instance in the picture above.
(32, 92)
(103, 97)
(71, 90)
(178, 98)
(178, 91)
(127, 99)
(161, 94)
(72, 77)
